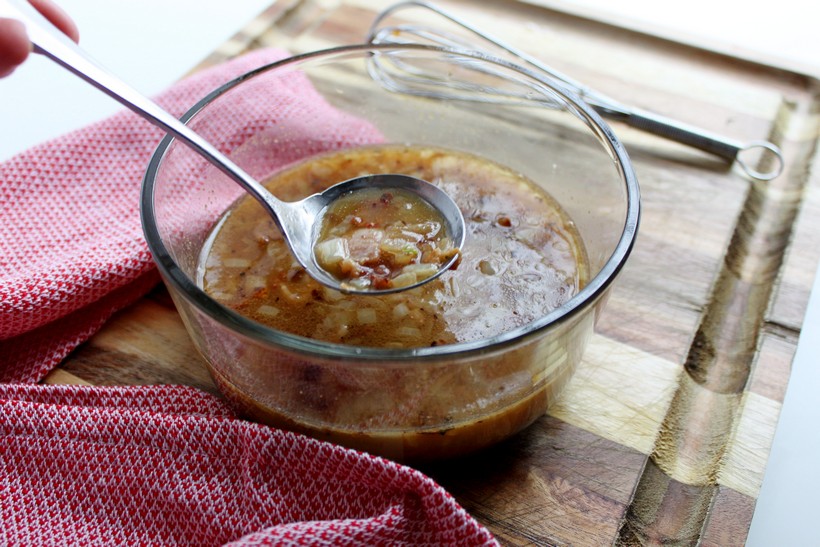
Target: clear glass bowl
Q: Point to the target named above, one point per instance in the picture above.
(410, 404)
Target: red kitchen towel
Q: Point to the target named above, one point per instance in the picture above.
(170, 465)
(71, 245)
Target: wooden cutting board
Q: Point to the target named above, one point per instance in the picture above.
(664, 432)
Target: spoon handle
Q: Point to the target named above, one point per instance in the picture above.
(51, 42)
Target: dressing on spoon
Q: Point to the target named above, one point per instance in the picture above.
(297, 220)
(383, 239)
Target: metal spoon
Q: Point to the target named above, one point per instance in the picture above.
(297, 220)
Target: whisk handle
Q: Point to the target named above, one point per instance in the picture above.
(684, 134)
(703, 140)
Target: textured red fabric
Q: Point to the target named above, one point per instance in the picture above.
(171, 465)
(71, 245)
(166, 464)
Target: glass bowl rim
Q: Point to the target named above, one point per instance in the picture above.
(587, 296)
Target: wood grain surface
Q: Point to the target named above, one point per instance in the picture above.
(663, 434)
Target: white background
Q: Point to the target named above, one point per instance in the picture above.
(151, 43)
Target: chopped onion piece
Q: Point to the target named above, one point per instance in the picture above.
(403, 252)
(366, 316)
(236, 263)
(255, 282)
(426, 229)
(331, 252)
(336, 321)
(421, 271)
(404, 280)
(408, 331)
(332, 295)
(290, 295)
(401, 310)
(358, 283)
(267, 310)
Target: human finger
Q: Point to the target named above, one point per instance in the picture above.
(14, 45)
(58, 17)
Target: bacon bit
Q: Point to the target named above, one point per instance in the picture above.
(449, 255)
(294, 274)
(261, 294)
(348, 268)
(381, 283)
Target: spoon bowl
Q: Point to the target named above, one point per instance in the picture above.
(297, 220)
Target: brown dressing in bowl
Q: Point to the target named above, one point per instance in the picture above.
(522, 257)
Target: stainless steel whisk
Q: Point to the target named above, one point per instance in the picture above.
(407, 78)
